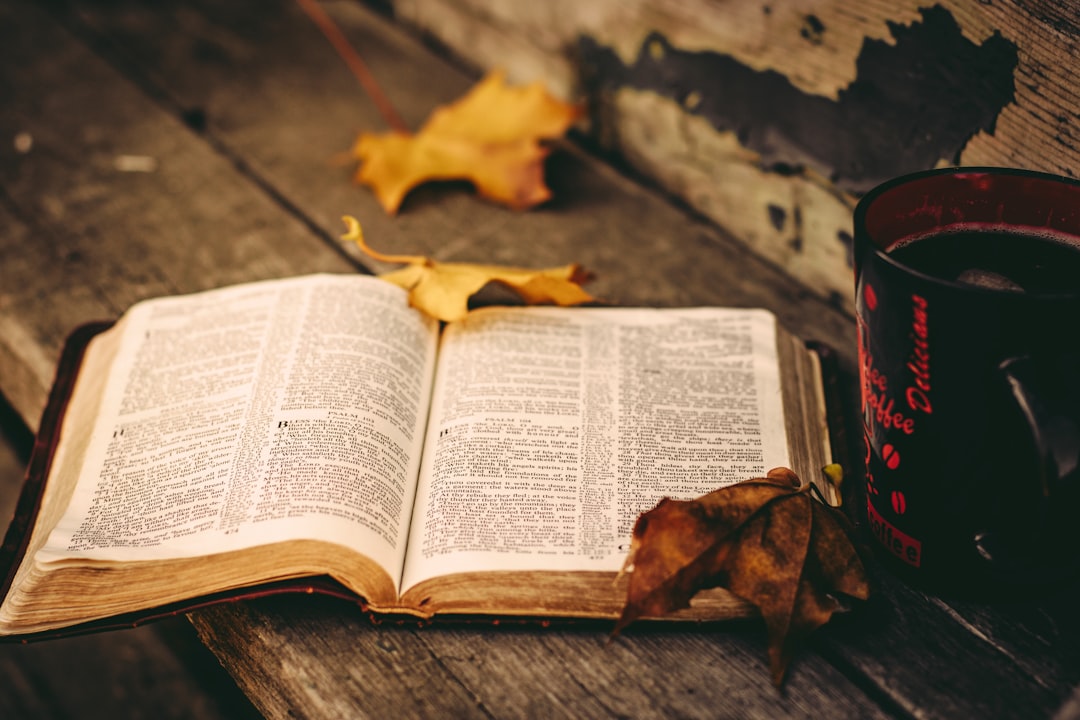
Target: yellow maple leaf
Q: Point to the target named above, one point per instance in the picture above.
(491, 137)
(442, 290)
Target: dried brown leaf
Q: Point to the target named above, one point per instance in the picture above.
(766, 540)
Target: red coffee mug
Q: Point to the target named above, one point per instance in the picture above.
(968, 308)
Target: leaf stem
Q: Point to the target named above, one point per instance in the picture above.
(354, 62)
(356, 234)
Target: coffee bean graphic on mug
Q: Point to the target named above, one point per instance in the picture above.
(899, 502)
(891, 456)
(871, 297)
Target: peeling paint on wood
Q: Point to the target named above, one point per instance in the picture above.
(725, 181)
(916, 100)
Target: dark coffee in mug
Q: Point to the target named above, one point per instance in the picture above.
(968, 310)
(1013, 260)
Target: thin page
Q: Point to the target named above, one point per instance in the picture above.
(251, 414)
(552, 429)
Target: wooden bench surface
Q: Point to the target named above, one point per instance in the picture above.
(240, 109)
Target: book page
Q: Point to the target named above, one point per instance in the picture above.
(552, 429)
(251, 414)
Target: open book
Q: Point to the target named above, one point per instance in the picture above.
(234, 441)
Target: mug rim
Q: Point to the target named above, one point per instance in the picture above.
(862, 208)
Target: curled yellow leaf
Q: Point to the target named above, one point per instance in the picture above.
(442, 290)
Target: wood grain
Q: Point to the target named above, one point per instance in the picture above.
(509, 671)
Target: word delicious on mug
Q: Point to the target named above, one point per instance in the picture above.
(918, 394)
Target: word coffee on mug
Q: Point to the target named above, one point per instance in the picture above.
(968, 311)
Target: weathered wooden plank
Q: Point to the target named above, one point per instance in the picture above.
(945, 658)
(290, 659)
(160, 672)
(512, 671)
(1041, 634)
(130, 673)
